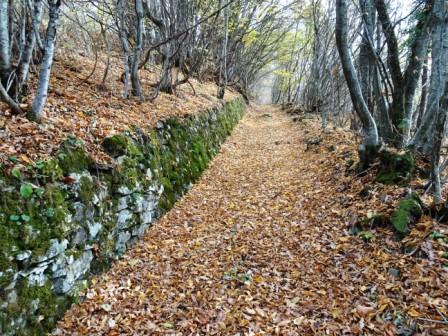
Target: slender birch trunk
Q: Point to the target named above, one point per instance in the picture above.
(5, 55)
(135, 80)
(47, 61)
(27, 55)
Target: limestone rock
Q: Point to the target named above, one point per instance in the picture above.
(123, 218)
(55, 249)
(122, 240)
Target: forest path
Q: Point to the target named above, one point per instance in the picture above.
(253, 247)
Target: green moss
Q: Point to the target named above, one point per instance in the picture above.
(7, 276)
(153, 138)
(57, 219)
(72, 157)
(7, 250)
(86, 189)
(46, 171)
(369, 222)
(408, 210)
(8, 247)
(128, 173)
(169, 194)
(54, 196)
(116, 145)
(106, 253)
(396, 168)
(76, 253)
(29, 224)
(50, 307)
(119, 145)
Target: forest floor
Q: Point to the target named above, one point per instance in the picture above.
(261, 245)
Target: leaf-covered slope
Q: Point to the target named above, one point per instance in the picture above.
(82, 108)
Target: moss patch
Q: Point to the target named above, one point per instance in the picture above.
(369, 222)
(49, 170)
(86, 189)
(49, 306)
(408, 211)
(396, 168)
(72, 157)
(119, 145)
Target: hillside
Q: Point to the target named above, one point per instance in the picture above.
(82, 108)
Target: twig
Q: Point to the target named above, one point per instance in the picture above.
(441, 315)
(368, 169)
(432, 321)
(413, 252)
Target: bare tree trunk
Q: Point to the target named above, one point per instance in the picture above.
(439, 132)
(36, 25)
(404, 85)
(5, 55)
(121, 9)
(223, 68)
(424, 94)
(27, 55)
(8, 100)
(422, 140)
(47, 61)
(21, 24)
(136, 86)
(166, 82)
(393, 52)
(385, 124)
(366, 58)
(108, 51)
(369, 148)
(419, 50)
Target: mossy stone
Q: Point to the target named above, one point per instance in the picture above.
(72, 157)
(50, 306)
(86, 189)
(54, 196)
(50, 170)
(409, 209)
(128, 174)
(396, 168)
(119, 145)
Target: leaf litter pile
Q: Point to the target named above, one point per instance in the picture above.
(262, 245)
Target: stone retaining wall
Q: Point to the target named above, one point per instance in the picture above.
(66, 218)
